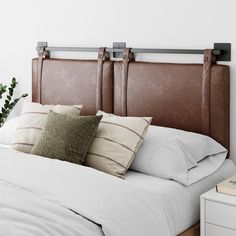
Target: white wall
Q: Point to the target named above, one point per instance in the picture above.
(149, 23)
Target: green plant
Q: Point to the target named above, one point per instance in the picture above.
(9, 103)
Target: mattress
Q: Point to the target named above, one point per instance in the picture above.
(182, 204)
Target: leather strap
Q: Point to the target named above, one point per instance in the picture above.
(42, 53)
(209, 59)
(39, 73)
(127, 56)
(102, 56)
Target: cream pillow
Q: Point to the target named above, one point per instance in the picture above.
(116, 142)
(32, 120)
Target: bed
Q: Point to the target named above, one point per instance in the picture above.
(191, 97)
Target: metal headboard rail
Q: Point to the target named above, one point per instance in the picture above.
(222, 51)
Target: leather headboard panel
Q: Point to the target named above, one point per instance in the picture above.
(73, 82)
(172, 95)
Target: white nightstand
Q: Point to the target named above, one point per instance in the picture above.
(218, 214)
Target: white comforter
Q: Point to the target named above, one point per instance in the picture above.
(40, 196)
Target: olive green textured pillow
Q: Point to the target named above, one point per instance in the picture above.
(66, 137)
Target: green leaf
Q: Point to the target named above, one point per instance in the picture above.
(25, 95)
(3, 89)
(8, 105)
(13, 80)
(5, 114)
(16, 100)
(10, 91)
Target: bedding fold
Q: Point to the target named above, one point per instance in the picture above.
(25, 213)
(119, 207)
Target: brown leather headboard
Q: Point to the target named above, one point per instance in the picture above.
(172, 93)
(72, 82)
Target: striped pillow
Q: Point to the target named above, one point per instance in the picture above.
(32, 120)
(116, 142)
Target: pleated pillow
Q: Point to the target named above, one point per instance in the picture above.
(32, 120)
(116, 142)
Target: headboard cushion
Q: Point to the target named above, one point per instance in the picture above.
(172, 94)
(73, 82)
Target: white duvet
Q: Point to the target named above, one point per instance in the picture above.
(40, 196)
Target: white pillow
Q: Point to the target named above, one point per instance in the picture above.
(176, 154)
(8, 131)
(16, 111)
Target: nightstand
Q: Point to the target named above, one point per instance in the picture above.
(218, 214)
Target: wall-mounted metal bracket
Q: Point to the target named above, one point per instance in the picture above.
(225, 49)
(118, 45)
(41, 49)
(42, 44)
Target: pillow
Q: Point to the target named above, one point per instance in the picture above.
(17, 109)
(66, 137)
(32, 121)
(8, 131)
(116, 142)
(175, 154)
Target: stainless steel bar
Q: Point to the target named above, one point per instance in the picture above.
(134, 50)
(72, 49)
(168, 51)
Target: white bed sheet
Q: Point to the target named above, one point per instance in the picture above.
(42, 187)
(143, 203)
(182, 204)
